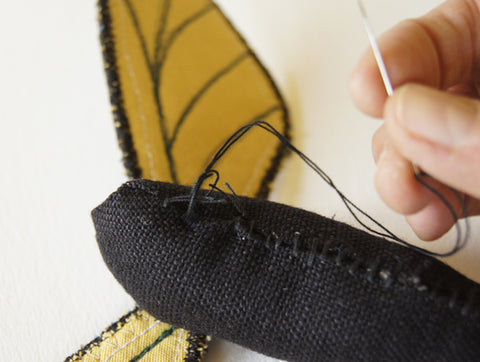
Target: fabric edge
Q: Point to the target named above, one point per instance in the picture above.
(275, 163)
(124, 136)
(112, 329)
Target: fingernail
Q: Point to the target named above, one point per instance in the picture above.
(436, 116)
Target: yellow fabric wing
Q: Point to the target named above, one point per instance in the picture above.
(187, 81)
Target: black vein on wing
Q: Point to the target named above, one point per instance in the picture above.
(155, 66)
(165, 334)
(158, 39)
(161, 116)
(201, 92)
(176, 32)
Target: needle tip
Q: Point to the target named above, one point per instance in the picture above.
(362, 9)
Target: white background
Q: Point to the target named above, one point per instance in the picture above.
(59, 157)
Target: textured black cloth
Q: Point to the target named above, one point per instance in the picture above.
(283, 281)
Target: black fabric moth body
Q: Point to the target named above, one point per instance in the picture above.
(283, 281)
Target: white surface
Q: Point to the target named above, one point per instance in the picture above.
(59, 154)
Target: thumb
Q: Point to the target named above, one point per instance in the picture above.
(438, 131)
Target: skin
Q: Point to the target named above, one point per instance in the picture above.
(433, 118)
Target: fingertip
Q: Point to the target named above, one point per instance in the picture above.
(378, 142)
(366, 88)
(432, 222)
(393, 110)
(445, 119)
(439, 132)
(396, 183)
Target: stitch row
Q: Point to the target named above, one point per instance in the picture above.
(132, 340)
(345, 257)
(111, 330)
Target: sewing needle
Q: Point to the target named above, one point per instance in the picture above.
(376, 49)
(380, 62)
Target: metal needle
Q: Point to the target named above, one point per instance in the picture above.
(380, 62)
(376, 50)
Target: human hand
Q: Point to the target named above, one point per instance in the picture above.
(432, 119)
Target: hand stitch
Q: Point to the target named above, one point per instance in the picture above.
(433, 117)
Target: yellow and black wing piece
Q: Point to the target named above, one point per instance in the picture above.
(137, 336)
(181, 81)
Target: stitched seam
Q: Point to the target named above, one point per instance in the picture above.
(140, 109)
(197, 346)
(343, 257)
(165, 334)
(111, 330)
(89, 353)
(124, 137)
(131, 341)
(178, 345)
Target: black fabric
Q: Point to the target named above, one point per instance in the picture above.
(283, 281)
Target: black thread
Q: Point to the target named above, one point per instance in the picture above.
(197, 347)
(343, 257)
(235, 200)
(467, 308)
(372, 269)
(278, 241)
(356, 211)
(453, 299)
(296, 237)
(418, 177)
(239, 230)
(252, 226)
(311, 252)
(268, 241)
(387, 277)
(327, 246)
(186, 198)
(353, 268)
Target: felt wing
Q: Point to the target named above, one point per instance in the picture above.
(182, 80)
(283, 281)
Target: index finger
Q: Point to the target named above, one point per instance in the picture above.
(440, 50)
